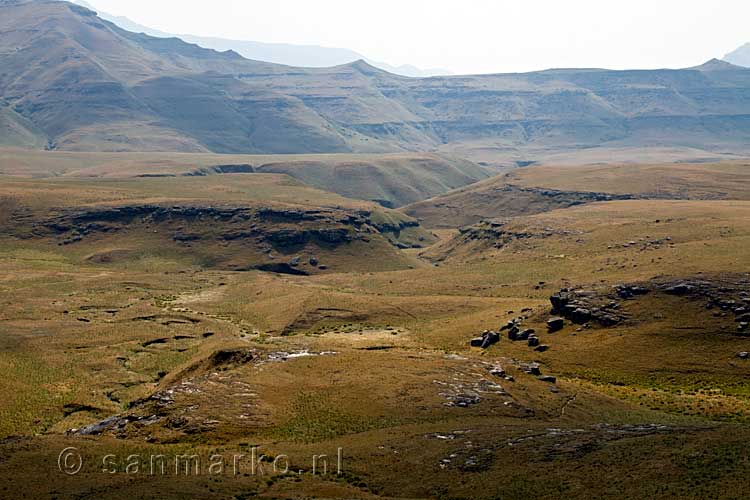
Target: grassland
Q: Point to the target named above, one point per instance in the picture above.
(543, 188)
(723, 180)
(390, 179)
(370, 359)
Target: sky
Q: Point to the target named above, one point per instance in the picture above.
(470, 36)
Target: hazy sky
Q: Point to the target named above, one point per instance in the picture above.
(470, 36)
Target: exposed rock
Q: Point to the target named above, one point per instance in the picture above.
(680, 289)
(555, 324)
(580, 315)
(533, 341)
(99, 427)
(490, 338)
(630, 291)
(523, 335)
(532, 369)
(464, 400)
(281, 269)
(542, 348)
(510, 325)
(487, 339)
(582, 307)
(549, 379)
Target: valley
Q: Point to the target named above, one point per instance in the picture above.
(224, 278)
(215, 313)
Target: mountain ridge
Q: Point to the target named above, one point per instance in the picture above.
(74, 81)
(311, 56)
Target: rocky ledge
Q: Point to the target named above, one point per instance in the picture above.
(725, 296)
(278, 227)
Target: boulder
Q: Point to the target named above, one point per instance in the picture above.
(533, 369)
(744, 355)
(680, 289)
(509, 326)
(313, 261)
(542, 348)
(607, 319)
(524, 335)
(580, 315)
(491, 338)
(513, 333)
(560, 300)
(628, 292)
(498, 371)
(743, 318)
(487, 339)
(533, 341)
(555, 325)
(549, 379)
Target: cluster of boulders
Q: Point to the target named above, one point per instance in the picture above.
(517, 333)
(584, 307)
(495, 231)
(725, 296)
(646, 243)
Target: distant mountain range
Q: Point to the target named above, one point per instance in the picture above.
(740, 57)
(304, 56)
(70, 80)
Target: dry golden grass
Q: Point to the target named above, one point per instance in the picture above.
(77, 346)
(725, 180)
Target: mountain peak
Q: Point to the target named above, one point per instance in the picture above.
(717, 65)
(365, 68)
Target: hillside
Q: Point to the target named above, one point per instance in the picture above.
(539, 189)
(129, 92)
(392, 180)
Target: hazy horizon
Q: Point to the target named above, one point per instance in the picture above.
(490, 37)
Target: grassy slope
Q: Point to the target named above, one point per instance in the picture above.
(15, 131)
(725, 180)
(395, 179)
(494, 197)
